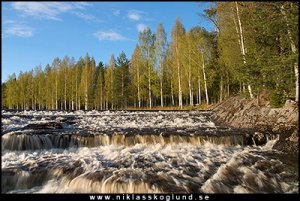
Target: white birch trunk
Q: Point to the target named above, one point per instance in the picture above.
(204, 77)
(190, 85)
(112, 88)
(149, 85)
(172, 94)
(199, 90)
(161, 94)
(101, 95)
(179, 85)
(76, 96)
(138, 82)
(65, 94)
(228, 85)
(293, 47)
(179, 80)
(56, 102)
(79, 103)
(122, 86)
(242, 43)
(161, 85)
(221, 89)
(86, 91)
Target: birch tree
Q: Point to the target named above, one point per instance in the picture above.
(160, 52)
(55, 68)
(146, 43)
(293, 47)
(242, 42)
(135, 71)
(177, 35)
(100, 86)
(109, 83)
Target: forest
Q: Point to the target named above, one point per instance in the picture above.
(252, 51)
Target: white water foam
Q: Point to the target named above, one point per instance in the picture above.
(142, 167)
(151, 168)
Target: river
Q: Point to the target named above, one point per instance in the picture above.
(137, 152)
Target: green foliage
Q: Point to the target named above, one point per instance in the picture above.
(277, 99)
(173, 71)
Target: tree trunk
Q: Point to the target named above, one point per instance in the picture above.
(242, 43)
(101, 95)
(79, 103)
(65, 92)
(138, 82)
(149, 85)
(112, 89)
(240, 87)
(56, 102)
(199, 90)
(86, 90)
(190, 85)
(258, 97)
(161, 85)
(228, 85)
(179, 82)
(76, 95)
(123, 91)
(52, 100)
(293, 47)
(161, 94)
(172, 94)
(204, 77)
(221, 89)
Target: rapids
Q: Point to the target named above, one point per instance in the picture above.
(137, 152)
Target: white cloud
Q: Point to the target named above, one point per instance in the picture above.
(46, 10)
(9, 22)
(116, 12)
(81, 5)
(87, 17)
(109, 35)
(141, 27)
(16, 29)
(135, 15)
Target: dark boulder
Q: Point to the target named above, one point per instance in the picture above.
(259, 138)
(46, 125)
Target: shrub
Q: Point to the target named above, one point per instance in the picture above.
(277, 99)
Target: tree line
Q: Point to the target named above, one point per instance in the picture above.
(253, 50)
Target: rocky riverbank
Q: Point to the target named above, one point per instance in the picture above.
(244, 113)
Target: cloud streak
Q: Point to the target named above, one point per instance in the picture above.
(47, 10)
(109, 35)
(17, 29)
(87, 17)
(135, 15)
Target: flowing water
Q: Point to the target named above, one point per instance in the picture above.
(137, 152)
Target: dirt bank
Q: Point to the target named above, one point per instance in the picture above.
(245, 113)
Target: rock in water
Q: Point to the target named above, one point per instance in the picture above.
(46, 125)
(259, 138)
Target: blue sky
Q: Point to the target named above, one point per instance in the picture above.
(33, 33)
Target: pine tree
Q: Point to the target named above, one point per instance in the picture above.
(122, 80)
